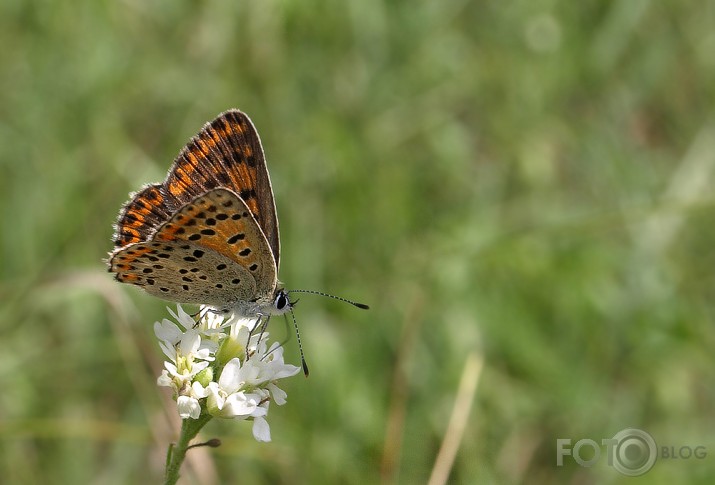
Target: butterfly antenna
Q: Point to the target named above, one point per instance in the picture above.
(300, 345)
(313, 292)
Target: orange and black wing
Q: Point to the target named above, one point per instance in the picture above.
(139, 217)
(226, 153)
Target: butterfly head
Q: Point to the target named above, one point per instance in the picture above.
(281, 302)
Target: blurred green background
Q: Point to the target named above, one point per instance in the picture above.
(525, 184)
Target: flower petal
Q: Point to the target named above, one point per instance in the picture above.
(188, 407)
(278, 394)
(261, 430)
(237, 405)
(230, 379)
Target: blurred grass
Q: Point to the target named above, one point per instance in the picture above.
(527, 181)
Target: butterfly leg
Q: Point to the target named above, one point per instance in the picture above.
(262, 323)
(197, 317)
(202, 312)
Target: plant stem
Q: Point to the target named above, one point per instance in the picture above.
(176, 453)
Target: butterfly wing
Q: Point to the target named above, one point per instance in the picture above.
(221, 221)
(226, 153)
(162, 270)
(141, 216)
(211, 251)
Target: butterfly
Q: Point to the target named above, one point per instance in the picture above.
(208, 234)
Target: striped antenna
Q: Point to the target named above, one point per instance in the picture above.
(313, 292)
(303, 364)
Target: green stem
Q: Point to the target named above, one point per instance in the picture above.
(177, 451)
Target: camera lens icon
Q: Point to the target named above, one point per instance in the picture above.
(634, 452)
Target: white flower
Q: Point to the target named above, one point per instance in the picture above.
(188, 403)
(249, 367)
(180, 377)
(227, 397)
(275, 368)
(182, 336)
(188, 407)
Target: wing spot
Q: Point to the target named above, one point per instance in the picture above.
(236, 216)
(222, 216)
(163, 255)
(165, 290)
(253, 267)
(211, 208)
(208, 232)
(190, 259)
(221, 267)
(185, 287)
(236, 237)
(147, 270)
(158, 266)
(198, 253)
(210, 221)
(150, 281)
(194, 270)
(245, 252)
(194, 237)
(236, 281)
(247, 194)
(219, 285)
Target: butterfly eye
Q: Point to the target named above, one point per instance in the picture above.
(281, 302)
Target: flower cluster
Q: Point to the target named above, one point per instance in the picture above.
(222, 368)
